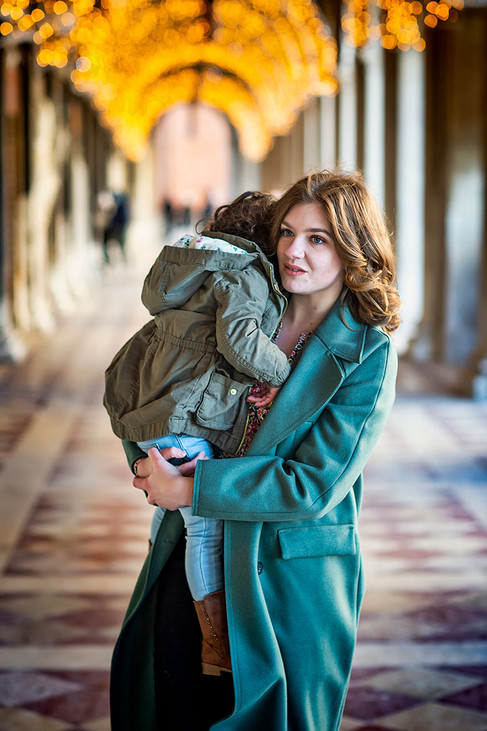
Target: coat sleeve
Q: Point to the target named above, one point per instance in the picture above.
(325, 465)
(133, 452)
(241, 300)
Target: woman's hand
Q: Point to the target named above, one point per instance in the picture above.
(143, 465)
(165, 484)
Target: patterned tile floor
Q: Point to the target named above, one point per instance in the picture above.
(72, 540)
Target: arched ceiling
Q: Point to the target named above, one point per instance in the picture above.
(258, 61)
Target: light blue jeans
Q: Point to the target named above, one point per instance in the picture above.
(204, 536)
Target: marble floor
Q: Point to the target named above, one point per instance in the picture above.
(72, 539)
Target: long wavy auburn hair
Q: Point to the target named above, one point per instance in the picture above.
(361, 240)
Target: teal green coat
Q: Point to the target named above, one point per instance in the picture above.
(293, 569)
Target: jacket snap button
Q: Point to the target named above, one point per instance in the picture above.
(260, 567)
(233, 391)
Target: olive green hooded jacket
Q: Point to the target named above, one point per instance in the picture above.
(189, 369)
(292, 558)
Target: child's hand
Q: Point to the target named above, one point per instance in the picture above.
(265, 395)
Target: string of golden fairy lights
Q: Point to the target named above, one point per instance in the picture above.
(400, 22)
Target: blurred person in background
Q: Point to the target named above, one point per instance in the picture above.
(112, 218)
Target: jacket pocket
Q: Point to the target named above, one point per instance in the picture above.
(220, 405)
(319, 540)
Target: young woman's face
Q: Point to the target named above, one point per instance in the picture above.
(308, 261)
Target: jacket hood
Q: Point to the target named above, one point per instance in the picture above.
(178, 273)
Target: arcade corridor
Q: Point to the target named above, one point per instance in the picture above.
(74, 534)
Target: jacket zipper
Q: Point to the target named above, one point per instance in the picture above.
(278, 292)
(243, 434)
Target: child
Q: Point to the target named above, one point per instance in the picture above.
(182, 380)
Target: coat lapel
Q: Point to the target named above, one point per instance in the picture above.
(318, 373)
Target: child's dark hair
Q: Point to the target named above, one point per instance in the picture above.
(249, 216)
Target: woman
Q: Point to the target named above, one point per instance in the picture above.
(292, 557)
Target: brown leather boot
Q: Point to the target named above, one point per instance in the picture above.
(215, 649)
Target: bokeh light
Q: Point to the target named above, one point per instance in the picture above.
(400, 21)
(259, 61)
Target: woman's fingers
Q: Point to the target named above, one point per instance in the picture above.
(187, 469)
(143, 467)
(158, 463)
(169, 452)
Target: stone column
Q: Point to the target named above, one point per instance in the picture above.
(410, 187)
(14, 310)
(454, 327)
(296, 152)
(144, 219)
(328, 132)
(11, 347)
(48, 149)
(311, 136)
(374, 120)
(466, 219)
(248, 174)
(466, 194)
(347, 109)
(284, 164)
(82, 251)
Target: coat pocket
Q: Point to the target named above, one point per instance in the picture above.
(220, 405)
(317, 540)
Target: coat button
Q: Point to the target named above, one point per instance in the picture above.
(233, 391)
(260, 567)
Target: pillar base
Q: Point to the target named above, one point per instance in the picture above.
(479, 382)
(12, 348)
